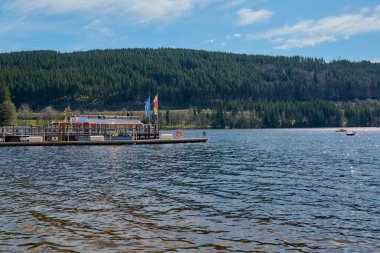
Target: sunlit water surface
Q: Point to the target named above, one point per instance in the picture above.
(310, 190)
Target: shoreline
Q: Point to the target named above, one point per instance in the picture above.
(104, 143)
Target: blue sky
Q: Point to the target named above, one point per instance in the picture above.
(329, 29)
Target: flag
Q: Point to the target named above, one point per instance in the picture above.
(155, 105)
(147, 106)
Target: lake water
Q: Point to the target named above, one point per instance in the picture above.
(309, 190)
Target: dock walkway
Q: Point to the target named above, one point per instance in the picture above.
(95, 143)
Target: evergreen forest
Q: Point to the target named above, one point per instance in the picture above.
(240, 90)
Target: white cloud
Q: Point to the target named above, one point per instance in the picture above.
(231, 4)
(312, 32)
(365, 10)
(248, 16)
(53, 6)
(137, 10)
(20, 25)
(97, 25)
(299, 43)
(234, 36)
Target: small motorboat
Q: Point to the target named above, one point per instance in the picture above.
(340, 130)
(351, 133)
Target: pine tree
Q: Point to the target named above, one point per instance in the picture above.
(8, 115)
(219, 119)
(5, 94)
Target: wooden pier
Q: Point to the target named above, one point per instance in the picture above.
(97, 143)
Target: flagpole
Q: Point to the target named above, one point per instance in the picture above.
(147, 109)
(155, 113)
(157, 110)
(149, 112)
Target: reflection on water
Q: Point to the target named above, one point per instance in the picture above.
(243, 191)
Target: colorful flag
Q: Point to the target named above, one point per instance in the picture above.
(147, 106)
(155, 105)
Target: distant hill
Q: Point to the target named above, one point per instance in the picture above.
(123, 78)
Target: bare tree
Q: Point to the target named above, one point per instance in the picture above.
(49, 113)
(24, 112)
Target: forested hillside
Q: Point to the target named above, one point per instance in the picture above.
(123, 78)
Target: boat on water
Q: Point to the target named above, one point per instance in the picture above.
(340, 130)
(351, 133)
(101, 128)
(93, 130)
(83, 128)
(104, 127)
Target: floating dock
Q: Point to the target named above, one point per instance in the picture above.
(97, 143)
(116, 131)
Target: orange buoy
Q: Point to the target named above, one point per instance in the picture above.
(178, 133)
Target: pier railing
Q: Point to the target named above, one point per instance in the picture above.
(68, 132)
(18, 133)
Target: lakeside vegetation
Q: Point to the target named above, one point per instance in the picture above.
(8, 114)
(261, 115)
(197, 88)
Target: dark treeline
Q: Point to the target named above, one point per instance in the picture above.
(293, 90)
(316, 113)
(183, 78)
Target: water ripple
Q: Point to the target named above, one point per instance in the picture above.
(309, 190)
